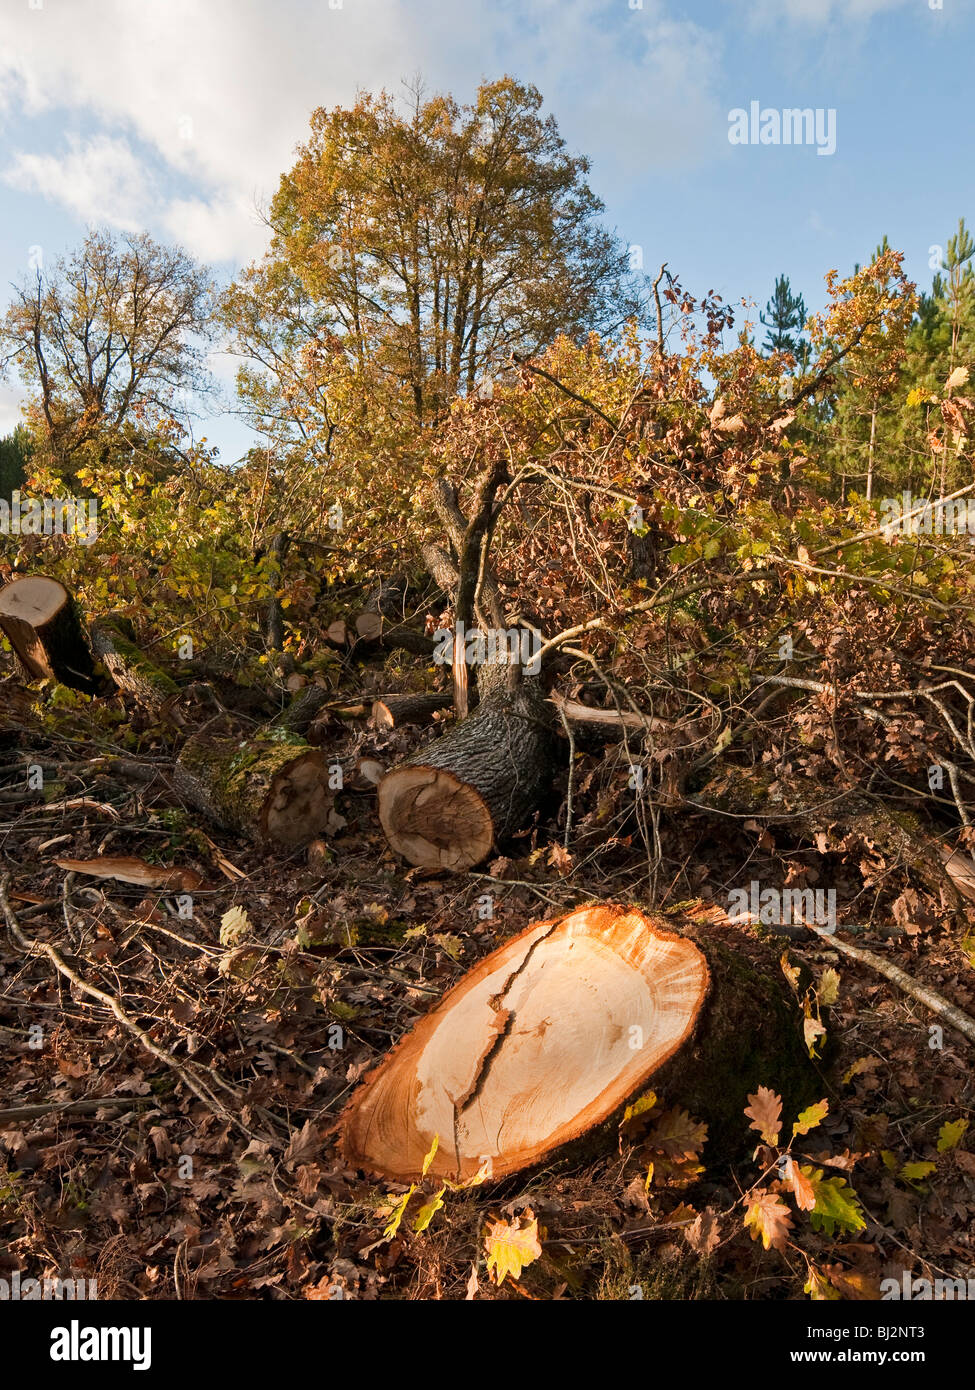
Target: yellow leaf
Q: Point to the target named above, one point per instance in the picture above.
(397, 1215)
(916, 1172)
(951, 1134)
(429, 1210)
(829, 987)
(862, 1064)
(235, 926)
(809, 1119)
(811, 1030)
(511, 1246)
(820, 1290)
(768, 1216)
(430, 1154)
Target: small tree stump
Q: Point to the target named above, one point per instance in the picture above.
(269, 790)
(41, 622)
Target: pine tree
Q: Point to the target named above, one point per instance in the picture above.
(786, 320)
(14, 456)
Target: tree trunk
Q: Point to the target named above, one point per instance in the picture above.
(548, 1037)
(41, 621)
(113, 642)
(478, 783)
(268, 790)
(393, 711)
(303, 709)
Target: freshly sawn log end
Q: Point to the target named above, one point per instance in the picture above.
(433, 819)
(40, 620)
(539, 1043)
(480, 781)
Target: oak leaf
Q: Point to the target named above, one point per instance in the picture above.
(511, 1246)
(764, 1109)
(768, 1217)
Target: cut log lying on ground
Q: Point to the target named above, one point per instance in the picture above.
(549, 1035)
(40, 620)
(478, 783)
(374, 630)
(113, 642)
(802, 807)
(303, 709)
(393, 711)
(266, 789)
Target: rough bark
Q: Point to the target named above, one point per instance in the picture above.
(113, 642)
(269, 790)
(303, 709)
(543, 1042)
(393, 711)
(41, 622)
(466, 791)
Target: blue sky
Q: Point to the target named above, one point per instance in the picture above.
(179, 116)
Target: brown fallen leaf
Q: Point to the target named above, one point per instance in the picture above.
(132, 870)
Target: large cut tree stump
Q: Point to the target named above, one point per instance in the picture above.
(478, 783)
(269, 790)
(549, 1035)
(41, 622)
(113, 642)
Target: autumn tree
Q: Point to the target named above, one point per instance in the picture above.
(871, 313)
(108, 342)
(419, 248)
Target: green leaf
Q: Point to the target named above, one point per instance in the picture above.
(916, 1172)
(836, 1206)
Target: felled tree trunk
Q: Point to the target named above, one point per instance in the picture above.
(113, 642)
(40, 620)
(393, 711)
(303, 709)
(268, 790)
(546, 1038)
(809, 811)
(469, 789)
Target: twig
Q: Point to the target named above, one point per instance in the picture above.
(39, 948)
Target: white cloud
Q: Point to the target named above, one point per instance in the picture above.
(99, 180)
(220, 91)
(821, 12)
(10, 403)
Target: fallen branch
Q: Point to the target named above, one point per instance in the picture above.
(930, 998)
(71, 1107)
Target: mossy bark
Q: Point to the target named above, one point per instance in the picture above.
(269, 790)
(112, 641)
(749, 1034)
